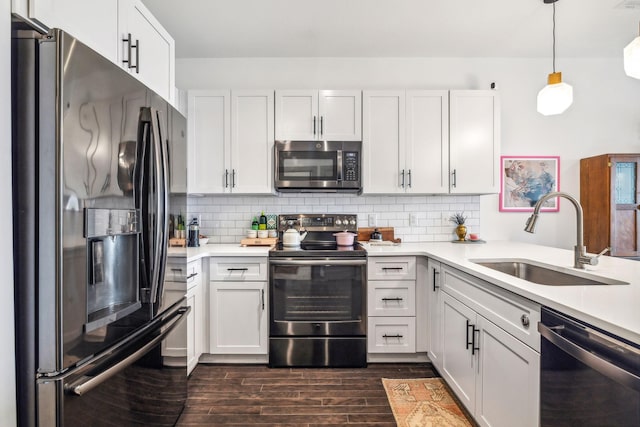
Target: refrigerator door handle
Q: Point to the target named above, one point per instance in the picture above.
(87, 383)
(158, 230)
(163, 205)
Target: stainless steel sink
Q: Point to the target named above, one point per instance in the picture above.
(544, 274)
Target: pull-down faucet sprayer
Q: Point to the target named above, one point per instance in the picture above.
(580, 258)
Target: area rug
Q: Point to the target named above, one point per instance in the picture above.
(423, 403)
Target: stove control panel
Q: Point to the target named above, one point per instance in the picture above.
(319, 222)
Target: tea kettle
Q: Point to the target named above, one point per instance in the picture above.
(292, 237)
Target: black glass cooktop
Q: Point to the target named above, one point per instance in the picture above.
(317, 249)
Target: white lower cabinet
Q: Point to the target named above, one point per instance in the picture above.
(184, 345)
(238, 320)
(393, 304)
(494, 374)
(434, 310)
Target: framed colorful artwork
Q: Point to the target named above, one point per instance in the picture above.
(524, 179)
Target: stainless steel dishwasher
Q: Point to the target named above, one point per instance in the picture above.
(588, 377)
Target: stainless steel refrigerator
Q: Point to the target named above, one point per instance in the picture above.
(91, 153)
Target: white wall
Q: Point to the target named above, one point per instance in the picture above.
(7, 349)
(605, 116)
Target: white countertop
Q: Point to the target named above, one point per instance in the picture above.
(615, 308)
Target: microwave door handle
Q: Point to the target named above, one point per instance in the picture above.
(339, 166)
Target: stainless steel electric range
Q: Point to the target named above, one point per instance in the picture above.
(317, 295)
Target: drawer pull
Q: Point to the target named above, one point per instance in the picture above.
(525, 320)
(392, 336)
(392, 299)
(237, 269)
(176, 269)
(192, 275)
(391, 268)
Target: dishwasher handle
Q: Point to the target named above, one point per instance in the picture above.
(590, 359)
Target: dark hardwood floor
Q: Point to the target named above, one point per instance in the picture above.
(252, 395)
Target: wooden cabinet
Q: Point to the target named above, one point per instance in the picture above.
(490, 350)
(230, 141)
(391, 305)
(431, 142)
(474, 141)
(185, 344)
(146, 48)
(327, 115)
(238, 320)
(609, 195)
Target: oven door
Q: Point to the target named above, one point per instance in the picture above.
(317, 297)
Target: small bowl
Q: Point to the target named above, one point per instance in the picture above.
(203, 241)
(252, 234)
(263, 234)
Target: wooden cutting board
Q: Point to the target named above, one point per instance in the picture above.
(267, 241)
(364, 233)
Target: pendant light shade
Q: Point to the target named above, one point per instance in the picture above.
(555, 97)
(632, 58)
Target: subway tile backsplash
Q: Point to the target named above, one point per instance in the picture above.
(225, 219)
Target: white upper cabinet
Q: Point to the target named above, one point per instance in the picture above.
(75, 17)
(252, 141)
(383, 133)
(208, 141)
(431, 142)
(146, 48)
(427, 149)
(105, 27)
(328, 115)
(230, 141)
(474, 141)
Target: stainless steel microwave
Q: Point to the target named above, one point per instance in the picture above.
(318, 166)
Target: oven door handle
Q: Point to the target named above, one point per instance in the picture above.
(593, 361)
(327, 262)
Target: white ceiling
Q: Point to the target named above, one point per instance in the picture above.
(396, 28)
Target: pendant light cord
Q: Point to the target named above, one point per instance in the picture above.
(554, 37)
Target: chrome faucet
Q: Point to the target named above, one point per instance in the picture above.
(580, 257)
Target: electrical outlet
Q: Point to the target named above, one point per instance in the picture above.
(413, 219)
(373, 220)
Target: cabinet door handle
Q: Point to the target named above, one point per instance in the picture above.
(392, 299)
(128, 42)
(237, 269)
(474, 348)
(454, 179)
(226, 178)
(321, 125)
(409, 182)
(137, 48)
(392, 336)
(402, 179)
(192, 275)
(314, 125)
(524, 319)
(469, 325)
(435, 280)
(233, 178)
(262, 295)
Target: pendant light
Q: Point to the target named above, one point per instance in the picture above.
(632, 57)
(556, 96)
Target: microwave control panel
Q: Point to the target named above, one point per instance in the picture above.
(350, 166)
